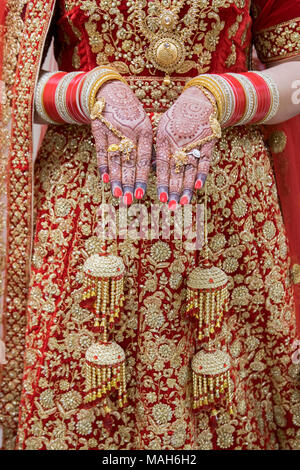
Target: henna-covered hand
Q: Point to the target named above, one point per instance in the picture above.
(186, 122)
(123, 110)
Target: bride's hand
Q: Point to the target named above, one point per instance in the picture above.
(123, 110)
(186, 122)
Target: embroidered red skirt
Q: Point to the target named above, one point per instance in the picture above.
(246, 239)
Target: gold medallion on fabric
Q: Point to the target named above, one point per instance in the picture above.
(167, 50)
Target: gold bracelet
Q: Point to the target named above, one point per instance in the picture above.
(215, 90)
(88, 88)
(99, 83)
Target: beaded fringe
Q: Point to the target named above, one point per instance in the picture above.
(209, 390)
(101, 380)
(208, 307)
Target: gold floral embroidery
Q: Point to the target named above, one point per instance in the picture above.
(126, 51)
(160, 342)
(23, 44)
(278, 42)
(296, 273)
(278, 141)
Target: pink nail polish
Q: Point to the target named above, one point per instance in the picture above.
(163, 197)
(118, 192)
(198, 184)
(184, 200)
(127, 199)
(172, 205)
(105, 178)
(139, 193)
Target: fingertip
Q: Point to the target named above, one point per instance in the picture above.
(139, 193)
(184, 200)
(163, 197)
(173, 205)
(127, 199)
(198, 184)
(105, 178)
(117, 192)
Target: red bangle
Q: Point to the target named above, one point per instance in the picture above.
(240, 99)
(49, 97)
(72, 98)
(264, 98)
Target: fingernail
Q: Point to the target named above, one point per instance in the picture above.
(172, 205)
(127, 198)
(198, 184)
(163, 197)
(184, 200)
(105, 178)
(118, 192)
(139, 193)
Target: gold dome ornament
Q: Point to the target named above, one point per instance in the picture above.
(105, 373)
(103, 295)
(211, 380)
(166, 32)
(103, 288)
(208, 299)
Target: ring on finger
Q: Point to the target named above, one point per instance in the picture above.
(113, 148)
(195, 153)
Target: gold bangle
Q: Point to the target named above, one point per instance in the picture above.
(99, 83)
(214, 88)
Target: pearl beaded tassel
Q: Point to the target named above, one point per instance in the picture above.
(207, 302)
(105, 360)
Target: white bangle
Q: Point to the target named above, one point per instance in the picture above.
(38, 97)
(229, 98)
(60, 98)
(85, 120)
(274, 94)
(251, 99)
(88, 84)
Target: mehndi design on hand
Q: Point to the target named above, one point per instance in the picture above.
(186, 136)
(123, 136)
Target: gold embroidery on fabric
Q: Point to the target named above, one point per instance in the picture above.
(130, 45)
(160, 342)
(14, 338)
(277, 141)
(22, 45)
(296, 273)
(278, 42)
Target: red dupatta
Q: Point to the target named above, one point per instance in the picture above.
(284, 139)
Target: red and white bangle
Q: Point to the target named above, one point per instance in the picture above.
(242, 98)
(275, 97)
(68, 97)
(251, 100)
(46, 109)
(73, 94)
(61, 94)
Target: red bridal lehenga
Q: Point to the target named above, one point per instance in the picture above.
(247, 240)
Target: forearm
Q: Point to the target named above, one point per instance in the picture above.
(287, 78)
(267, 97)
(63, 97)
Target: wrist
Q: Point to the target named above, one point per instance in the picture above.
(70, 97)
(245, 98)
(109, 84)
